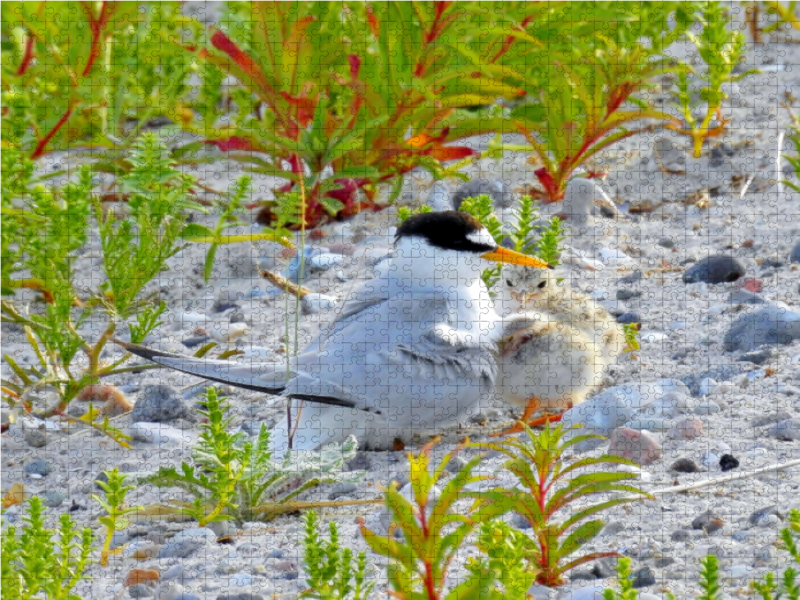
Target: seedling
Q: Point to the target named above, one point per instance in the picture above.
(38, 560)
(547, 487)
(116, 517)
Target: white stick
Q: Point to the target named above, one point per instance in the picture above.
(778, 169)
(746, 186)
(726, 478)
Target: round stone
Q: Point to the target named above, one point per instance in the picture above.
(715, 269)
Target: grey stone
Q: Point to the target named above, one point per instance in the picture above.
(185, 543)
(628, 318)
(681, 535)
(626, 294)
(643, 577)
(342, 489)
(709, 522)
(714, 270)
(788, 430)
(38, 467)
(140, 590)
(53, 499)
(760, 356)
(761, 513)
(769, 325)
(781, 415)
(500, 193)
(794, 255)
(685, 465)
(634, 277)
(159, 404)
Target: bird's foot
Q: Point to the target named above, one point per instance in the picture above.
(530, 408)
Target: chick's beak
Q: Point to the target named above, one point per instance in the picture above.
(504, 255)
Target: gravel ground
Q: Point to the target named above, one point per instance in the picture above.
(739, 398)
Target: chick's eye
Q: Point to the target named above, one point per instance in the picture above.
(542, 285)
(509, 283)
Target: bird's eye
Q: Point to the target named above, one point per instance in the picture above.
(509, 283)
(542, 285)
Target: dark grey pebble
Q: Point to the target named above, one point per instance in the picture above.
(241, 596)
(275, 554)
(289, 575)
(760, 356)
(625, 294)
(159, 404)
(765, 512)
(500, 193)
(141, 590)
(788, 430)
(518, 521)
(195, 341)
(220, 306)
(724, 372)
(769, 419)
(709, 522)
(715, 269)
(360, 462)
(38, 467)
(643, 577)
(582, 574)
(664, 561)
(666, 242)
(684, 465)
(455, 464)
(728, 462)
(772, 263)
(605, 567)
(176, 572)
(342, 489)
(794, 255)
(634, 277)
(681, 535)
(768, 325)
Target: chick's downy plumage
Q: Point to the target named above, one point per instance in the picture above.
(556, 344)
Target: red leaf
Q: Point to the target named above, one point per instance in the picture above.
(752, 284)
(355, 65)
(305, 108)
(443, 153)
(232, 143)
(372, 20)
(548, 183)
(346, 193)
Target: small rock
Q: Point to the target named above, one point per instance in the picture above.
(664, 561)
(707, 407)
(728, 462)
(187, 542)
(654, 424)
(715, 269)
(605, 568)
(38, 467)
(638, 446)
(685, 465)
(159, 404)
(738, 572)
(681, 535)
(158, 433)
(628, 318)
(342, 489)
(794, 255)
(787, 430)
(666, 242)
(758, 516)
(686, 428)
(140, 590)
(141, 576)
(501, 194)
(34, 432)
(625, 294)
(455, 464)
(760, 356)
(578, 200)
(634, 277)
(360, 462)
(769, 325)
(275, 554)
(519, 522)
(709, 522)
(643, 577)
(707, 386)
(53, 499)
(670, 405)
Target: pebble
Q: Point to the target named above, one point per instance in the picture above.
(707, 407)
(625, 294)
(141, 576)
(578, 200)
(140, 590)
(762, 513)
(314, 303)
(707, 386)
(728, 462)
(142, 550)
(681, 535)
(342, 489)
(738, 572)
(159, 404)
(185, 543)
(518, 521)
(686, 428)
(634, 277)
(158, 433)
(643, 577)
(455, 464)
(794, 255)
(715, 270)
(709, 522)
(628, 318)
(760, 356)
(769, 325)
(501, 194)
(786, 430)
(639, 446)
(666, 242)
(38, 467)
(605, 567)
(34, 432)
(53, 499)
(668, 406)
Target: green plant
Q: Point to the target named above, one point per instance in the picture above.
(547, 487)
(44, 561)
(101, 84)
(432, 532)
(509, 555)
(788, 588)
(404, 212)
(548, 247)
(331, 572)
(116, 517)
(627, 591)
(721, 49)
(337, 102)
(231, 478)
(482, 208)
(49, 227)
(794, 159)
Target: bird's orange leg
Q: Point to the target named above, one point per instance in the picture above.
(530, 408)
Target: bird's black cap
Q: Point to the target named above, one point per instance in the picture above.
(448, 230)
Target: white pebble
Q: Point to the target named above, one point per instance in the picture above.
(316, 303)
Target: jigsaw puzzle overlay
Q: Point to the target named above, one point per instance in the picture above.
(294, 293)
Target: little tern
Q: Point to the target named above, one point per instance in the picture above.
(408, 353)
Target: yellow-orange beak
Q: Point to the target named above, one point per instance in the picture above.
(504, 255)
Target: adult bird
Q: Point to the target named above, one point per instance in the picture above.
(408, 353)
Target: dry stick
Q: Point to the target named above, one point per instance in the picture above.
(726, 478)
(279, 281)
